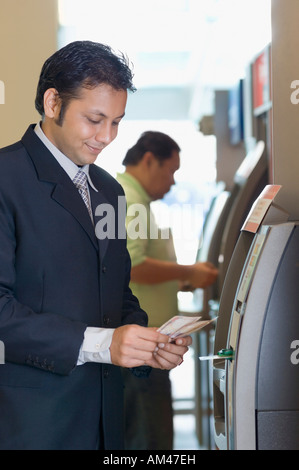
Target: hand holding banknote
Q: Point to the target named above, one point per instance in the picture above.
(134, 345)
(181, 326)
(178, 330)
(162, 348)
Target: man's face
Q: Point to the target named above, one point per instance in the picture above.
(90, 122)
(161, 175)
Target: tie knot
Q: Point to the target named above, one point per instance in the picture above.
(80, 179)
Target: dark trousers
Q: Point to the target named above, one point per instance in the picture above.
(148, 411)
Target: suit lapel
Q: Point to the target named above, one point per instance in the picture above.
(64, 191)
(70, 199)
(99, 200)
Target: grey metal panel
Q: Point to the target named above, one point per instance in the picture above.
(278, 430)
(250, 334)
(278, 376)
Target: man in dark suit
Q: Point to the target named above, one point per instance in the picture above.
(67, 316)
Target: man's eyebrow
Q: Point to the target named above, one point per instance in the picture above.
(99, 113)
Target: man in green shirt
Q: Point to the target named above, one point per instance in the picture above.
(155, 279)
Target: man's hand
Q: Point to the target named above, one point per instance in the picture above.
(169, 355)
(134, 345)
(203, 275)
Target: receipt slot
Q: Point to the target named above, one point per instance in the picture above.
(259, 387)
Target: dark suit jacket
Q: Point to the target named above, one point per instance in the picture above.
(56, 278)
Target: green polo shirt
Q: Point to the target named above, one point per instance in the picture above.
(146, 240)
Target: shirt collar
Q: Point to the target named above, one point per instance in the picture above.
(134, 183)
(69, 167)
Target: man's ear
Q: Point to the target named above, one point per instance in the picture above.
(51, 103)
(148, 159)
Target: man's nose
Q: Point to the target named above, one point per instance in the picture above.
(104, 135)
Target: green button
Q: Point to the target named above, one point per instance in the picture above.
(226, 353)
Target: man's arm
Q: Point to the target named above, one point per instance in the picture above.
(22, 329)
(154, 271)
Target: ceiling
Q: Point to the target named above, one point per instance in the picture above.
(187, 47)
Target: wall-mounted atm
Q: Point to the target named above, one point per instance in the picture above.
(250, 178)
(256, 390)
(220, 235)
(224, 221)
(209, 246)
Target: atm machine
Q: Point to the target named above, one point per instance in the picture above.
(209, 246)
(256, 387)
(225, 219)
(251, 178)
(208, 251)
(220, 236)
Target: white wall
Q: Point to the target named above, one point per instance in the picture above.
(28, 35)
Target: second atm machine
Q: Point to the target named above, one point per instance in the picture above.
(256, 391)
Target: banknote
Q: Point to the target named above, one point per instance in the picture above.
(180, 325)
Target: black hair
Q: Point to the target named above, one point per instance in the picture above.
(82, 64)
(160, 144)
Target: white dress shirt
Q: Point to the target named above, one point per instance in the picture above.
(97, 341)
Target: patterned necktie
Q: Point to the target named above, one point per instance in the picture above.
(80, 181)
